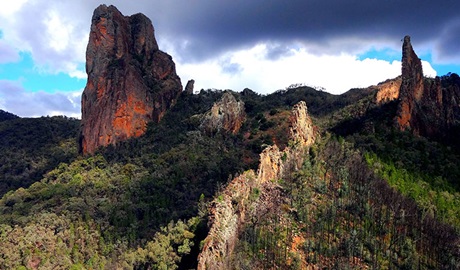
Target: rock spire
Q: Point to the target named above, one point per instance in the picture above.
(130, 81)
(427, 106)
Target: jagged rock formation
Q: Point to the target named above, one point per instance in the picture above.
(229, 210)
(226, 219)
(227, 114)
(301, 128)
(274, 164)
(412, 87)
(130, 81)
(427, 107)
(189, 87)
(388, 91)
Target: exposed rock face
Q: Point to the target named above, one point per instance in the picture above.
(274, 164)
(412, 87)
(228, 213)
(227, 114)
(130, 81)
(427, 107)
(271, 164)
(226, 219)
(388, 91)
(301, 127)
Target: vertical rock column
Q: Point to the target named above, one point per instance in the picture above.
(130, 81)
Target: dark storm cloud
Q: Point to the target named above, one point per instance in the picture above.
(275, 52)
(35, 36)
(212, 27)
(448, 47)
(14, 99)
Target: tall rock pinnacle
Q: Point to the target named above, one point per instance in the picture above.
(411, 86)
(130, 81)
(427, 107)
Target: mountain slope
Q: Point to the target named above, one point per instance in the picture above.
(29, 147)
(122, 196)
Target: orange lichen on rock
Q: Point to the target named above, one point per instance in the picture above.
(130, 81)
(404, 115)
(129, 120)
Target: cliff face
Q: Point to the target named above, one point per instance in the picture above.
(130, 81)
(229, 212)
(427, 107)
(388, 91)
(227, 114)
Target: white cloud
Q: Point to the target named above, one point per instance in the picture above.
(336, 73)
(428, 70)
(54, 33)
(15, 99)
(58, 31)
(11, 6)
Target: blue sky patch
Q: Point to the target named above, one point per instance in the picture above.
(441, 69)
(387, 54)
(391, 55)
(34, 80)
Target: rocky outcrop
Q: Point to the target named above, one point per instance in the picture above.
(387, 91)
(189, 87)
(130, 81)
(412, 87)
(228, 212)
(275, 164)
(427, 107)
(226, 219)
(227, 114)
(301, 128)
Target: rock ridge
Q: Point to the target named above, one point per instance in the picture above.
(130, 81)
(229, 210)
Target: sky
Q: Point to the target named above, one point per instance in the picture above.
(264, 45)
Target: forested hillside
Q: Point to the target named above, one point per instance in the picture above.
(30, 147)
(143, 203)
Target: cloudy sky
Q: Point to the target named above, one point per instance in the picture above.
(264, 45)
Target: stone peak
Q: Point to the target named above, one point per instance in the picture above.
(130, 81)
(104, 10)
(411, 64)
(407, 39)
(301, 126)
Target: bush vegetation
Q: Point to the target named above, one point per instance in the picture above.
(140, 204)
